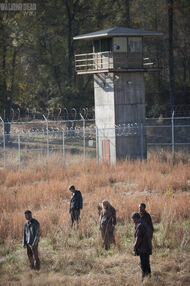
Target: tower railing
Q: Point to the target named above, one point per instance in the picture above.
(105, 61)
(93, 61)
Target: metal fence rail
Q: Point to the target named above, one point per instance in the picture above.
(108, 60)
(28, 140)
(93, 61)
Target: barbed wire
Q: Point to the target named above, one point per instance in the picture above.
(29, 114)
(90, 133)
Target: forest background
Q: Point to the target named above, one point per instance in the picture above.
(37, 51)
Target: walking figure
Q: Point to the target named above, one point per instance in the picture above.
(145, 216)
(31, 237)
(107, 224)
(76, 205)
(143, 243)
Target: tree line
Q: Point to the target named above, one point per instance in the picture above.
(37, 51)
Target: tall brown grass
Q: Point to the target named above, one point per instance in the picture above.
(162, 184)
(44, 189)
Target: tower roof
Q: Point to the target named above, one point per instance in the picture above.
(117, 32)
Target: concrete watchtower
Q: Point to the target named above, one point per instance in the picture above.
(118, 65)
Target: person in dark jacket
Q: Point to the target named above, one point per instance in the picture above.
(143, 244)
(145, 216)
(76, 205)
(107, 224)
(31, 237)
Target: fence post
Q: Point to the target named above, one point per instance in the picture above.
(4, 144)
(84, 141)
(173, 135)
(19, 154)
(63, 138)
(47, 137)
(141, 140)
(97, 145)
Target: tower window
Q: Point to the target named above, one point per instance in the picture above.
(135, 44)
(103, 45)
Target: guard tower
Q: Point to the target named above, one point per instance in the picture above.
(118, 65)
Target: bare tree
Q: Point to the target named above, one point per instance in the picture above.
(171, 53)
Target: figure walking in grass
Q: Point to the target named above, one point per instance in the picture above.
(145, 216)
(31, 237)
(143, 245)
(76, 205)
(107, 224)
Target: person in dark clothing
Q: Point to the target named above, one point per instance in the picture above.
(107, 224)
(143, 244)
(31, 237)
(145, 216)
(76, 205)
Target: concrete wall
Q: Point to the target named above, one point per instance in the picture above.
(120, 99)
(129, 94)
(105, 112)
(129, 97)
(132, 147)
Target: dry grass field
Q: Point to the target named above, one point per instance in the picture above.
(75, 257)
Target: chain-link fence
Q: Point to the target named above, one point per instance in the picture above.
(26, 141)
(172, 134)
